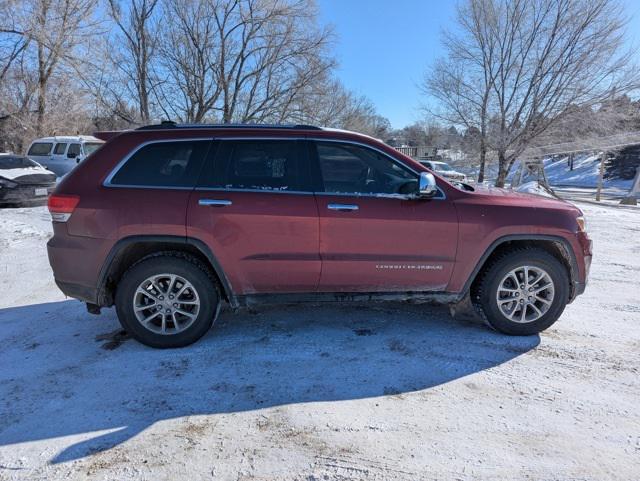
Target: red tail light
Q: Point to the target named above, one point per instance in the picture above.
(62, 206)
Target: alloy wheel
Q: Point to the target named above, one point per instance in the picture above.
(525, 294)
(166, 304)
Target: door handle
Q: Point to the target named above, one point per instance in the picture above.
(342, 207)
(215, 202)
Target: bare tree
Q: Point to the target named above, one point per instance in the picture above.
(13, 41)
(240, 60)
(460, 82)
(55, 28)
(132, 54)
(547, 56)
(189, 61)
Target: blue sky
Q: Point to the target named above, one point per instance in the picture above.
(384, 47)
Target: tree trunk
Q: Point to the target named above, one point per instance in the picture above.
(483, 159)
(42, 106)
(42, 91)
(503, 169)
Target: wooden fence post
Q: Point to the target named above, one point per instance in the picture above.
(601, 175)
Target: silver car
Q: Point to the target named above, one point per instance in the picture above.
(444, 170)
(60, 154)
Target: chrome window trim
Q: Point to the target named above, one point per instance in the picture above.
(107, 182)
(258, 191)
(440, 196)
(116, 169)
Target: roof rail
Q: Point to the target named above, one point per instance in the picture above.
(168, 124)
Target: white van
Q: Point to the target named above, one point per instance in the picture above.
(60, 154)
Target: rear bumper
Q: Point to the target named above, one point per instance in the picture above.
(25, 193)
(76, 262)
(77, 291)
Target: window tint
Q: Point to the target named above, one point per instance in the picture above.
(354, 169)
(164, 164)
(91, 147)
(74, 149)
(257, 164)
(40, 148)
(15, 162)
(60, 148)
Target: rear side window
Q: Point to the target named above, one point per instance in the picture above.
(269, 165)
(163, 164)
(60, 148)
(40, 148)
(74, 150)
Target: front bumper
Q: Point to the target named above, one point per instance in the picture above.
(586, 246)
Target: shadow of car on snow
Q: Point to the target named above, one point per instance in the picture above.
(56, 381)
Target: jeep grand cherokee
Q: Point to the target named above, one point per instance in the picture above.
(169, 221)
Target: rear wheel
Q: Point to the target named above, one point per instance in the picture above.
(167, 301)
(523, 291)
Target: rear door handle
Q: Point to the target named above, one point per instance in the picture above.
(342, 207)
(215, 202)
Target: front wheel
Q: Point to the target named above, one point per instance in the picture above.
(523, 291)
(167, 301)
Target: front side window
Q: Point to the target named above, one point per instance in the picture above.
(40, 148)
(354, 169)
(60, 148)
(268, 165)
(163, 164)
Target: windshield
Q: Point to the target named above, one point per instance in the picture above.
(40, 148)
(441, 166)
(13, 162)
(90, 148)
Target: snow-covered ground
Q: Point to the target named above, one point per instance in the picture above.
(386, 391)
(586, 169)
(585, 173)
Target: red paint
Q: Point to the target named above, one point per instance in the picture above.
(270, 242)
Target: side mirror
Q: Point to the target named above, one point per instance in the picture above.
(427, 185)
(72, 155)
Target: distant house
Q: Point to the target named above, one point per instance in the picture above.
(422, 152)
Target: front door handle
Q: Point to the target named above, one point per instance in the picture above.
(342, 207)
(215, 202)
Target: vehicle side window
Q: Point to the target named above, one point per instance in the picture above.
(354, 169)
(40, 148)
(74, 150)
(268, 165)
(60, 148)
(164, 164)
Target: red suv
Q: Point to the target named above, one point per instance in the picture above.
(169, 221)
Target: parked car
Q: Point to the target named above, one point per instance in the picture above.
(168, 222)
(444, 170)
(23, 181)
(60, 154)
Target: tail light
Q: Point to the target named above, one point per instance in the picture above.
(62, 206)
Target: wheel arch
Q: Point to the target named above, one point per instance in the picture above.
(557, 246)
(129, 250)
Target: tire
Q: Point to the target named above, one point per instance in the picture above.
(497, 290)
(149, 284)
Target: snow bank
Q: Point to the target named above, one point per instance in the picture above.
(533, 187)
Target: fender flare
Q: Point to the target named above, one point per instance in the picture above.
(165, 239)
(566, 246)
